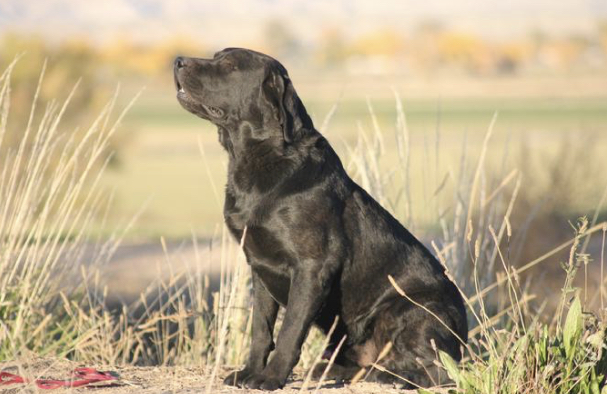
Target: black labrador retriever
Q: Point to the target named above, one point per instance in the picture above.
(317, 243)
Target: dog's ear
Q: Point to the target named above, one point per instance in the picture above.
(286, 106)
(274, 92)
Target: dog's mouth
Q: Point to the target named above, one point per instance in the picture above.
(188, 101)
(177, 84)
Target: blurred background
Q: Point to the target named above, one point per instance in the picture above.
(540, 65)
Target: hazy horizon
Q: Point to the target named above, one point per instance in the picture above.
(242, 21)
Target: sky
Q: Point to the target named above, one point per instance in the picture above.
(228, 21)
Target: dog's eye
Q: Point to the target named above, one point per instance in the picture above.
(228, 65)
(215, 111)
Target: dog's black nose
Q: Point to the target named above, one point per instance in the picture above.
(179, 62)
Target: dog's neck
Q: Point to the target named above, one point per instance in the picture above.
(262, 160)
(238, 140)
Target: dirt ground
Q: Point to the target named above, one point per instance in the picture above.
(160, 380)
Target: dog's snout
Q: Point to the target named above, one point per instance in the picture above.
(180, 62)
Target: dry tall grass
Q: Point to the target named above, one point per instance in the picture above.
(46, 208)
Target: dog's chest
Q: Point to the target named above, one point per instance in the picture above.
(263, 247)
(262, 240)
(242, 211)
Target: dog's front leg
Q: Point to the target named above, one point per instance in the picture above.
(309, 288)
(265, 309)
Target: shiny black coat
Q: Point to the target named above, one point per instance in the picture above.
(318, 244)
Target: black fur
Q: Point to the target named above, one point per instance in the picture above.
(318, 244)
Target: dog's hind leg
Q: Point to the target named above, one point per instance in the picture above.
(416, 336)
(424, 373)
(409, 380)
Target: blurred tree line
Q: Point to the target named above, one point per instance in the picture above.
(430, 47)
(433, 47)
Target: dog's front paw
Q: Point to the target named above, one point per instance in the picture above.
(237, 378)
(262, 382)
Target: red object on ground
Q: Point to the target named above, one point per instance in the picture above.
(80, 377)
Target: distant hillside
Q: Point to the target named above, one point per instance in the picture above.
(228, 21)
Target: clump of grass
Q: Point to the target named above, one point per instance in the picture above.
(528, 356)
(46, 208)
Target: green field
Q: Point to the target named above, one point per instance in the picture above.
(160, 161)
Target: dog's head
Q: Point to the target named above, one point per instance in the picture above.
(241, 86)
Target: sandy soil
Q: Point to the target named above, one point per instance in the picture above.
(161, 380)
